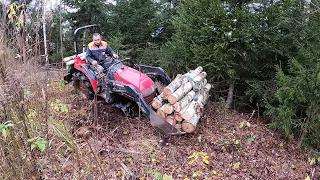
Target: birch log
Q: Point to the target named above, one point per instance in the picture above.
(177, 115)
(178, 126)
(168, 108)
(161, 113)
(196, 105)
(185, 88)
(191, 124)
(182, 103)
(157, 101)
(192, 74)
(175, 84)
(170, 119)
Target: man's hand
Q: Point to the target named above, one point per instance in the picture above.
(94, 63)
(115, 56)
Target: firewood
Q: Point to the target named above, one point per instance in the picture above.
(196, 105)
(178, 106)
(177, 115)
(193, 112)
(161, 113)
(157, 101)
(178, 126)
(175, 84)
(168, 108)
(191, 74)
(185, 88)
(170, 119)
(190, 126)
(69, 58)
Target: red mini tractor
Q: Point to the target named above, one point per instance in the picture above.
(125, 87)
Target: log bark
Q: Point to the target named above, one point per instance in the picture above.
(69, 58)
(194, 114)
(175, 84)
(168, 108)
(192, 109)
(161, 113)
(195, 106)
(185, 88)
(180, 92)
(192, 74)
(178, 106)
(230, 95)
(157, 101)
(170, 119)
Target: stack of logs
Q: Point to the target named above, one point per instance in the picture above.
(182, 101)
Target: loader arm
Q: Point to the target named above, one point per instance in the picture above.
(156, 72)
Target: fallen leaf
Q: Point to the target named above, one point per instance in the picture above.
(236, 165)
(307, 178)
(248, 124)
(281, 145)
(241, 125)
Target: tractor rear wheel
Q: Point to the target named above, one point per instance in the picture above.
(82, 85)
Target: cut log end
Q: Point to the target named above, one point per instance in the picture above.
(156, 104)
(166, 92)
(186, 115)
(161, 113)
(172, 99)
(188, 127)
(177, 107)
(177, 117)
(168, 109)
(170, 119)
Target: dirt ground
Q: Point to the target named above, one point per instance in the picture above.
(226, 145)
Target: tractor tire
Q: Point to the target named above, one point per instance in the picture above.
(82, 86)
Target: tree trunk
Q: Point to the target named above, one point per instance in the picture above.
(230, 95)
(157, 101)
(178, 106)
(175, 84)
(185, 88)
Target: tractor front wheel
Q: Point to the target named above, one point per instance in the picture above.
(82, 85)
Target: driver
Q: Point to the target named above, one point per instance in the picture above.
(97, 51)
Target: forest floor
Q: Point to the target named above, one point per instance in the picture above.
(226, 145)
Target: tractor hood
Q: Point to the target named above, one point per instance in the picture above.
(140, 81)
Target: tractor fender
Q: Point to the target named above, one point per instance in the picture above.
(89, 73)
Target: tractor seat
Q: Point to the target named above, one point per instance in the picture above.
(98, 69)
